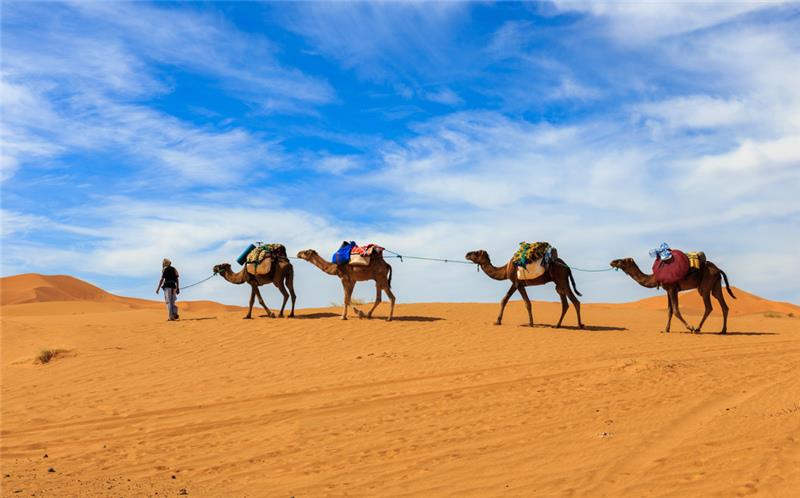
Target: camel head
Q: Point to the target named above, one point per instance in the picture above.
(478, 257)
(307, 254)
(222, 268)
(623, 264)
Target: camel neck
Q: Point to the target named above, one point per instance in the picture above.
(495, 272)
(239, 277)
(327, 267)
(642, 278)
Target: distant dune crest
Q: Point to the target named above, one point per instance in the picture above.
(745, 304)
(36, 288)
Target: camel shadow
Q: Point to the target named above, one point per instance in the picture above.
(591, 328)
(588, 328)
(314, 316)
(739, 333)
(413, 318)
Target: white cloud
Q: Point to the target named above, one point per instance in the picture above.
(444, 96)
(338, 165)
(488, 161)
(571, 89)
(382, 41)
(74, 81)
(635, 22)
(696, 111)
(157, 144)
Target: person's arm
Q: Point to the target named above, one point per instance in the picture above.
(177, 283)
(160, 283)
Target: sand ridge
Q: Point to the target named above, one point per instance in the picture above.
(744, 304)
(438, 403)
(29, 288)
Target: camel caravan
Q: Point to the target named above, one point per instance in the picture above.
(533, 264)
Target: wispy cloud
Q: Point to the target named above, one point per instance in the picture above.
(75, 80)
(384, 41)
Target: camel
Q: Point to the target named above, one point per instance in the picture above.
(557, 272)
(378, 270)
(281, 275)
(707, 280)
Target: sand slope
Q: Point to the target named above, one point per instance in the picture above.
(744, 304)
(35, 288)
(437, 403)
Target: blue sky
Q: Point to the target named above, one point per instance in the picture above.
(135, 131)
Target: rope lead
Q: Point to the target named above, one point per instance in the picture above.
(200, 282)
(400, 257)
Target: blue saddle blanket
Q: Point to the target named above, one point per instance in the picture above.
(342, 255)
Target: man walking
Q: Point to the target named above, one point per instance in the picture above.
(169, 282)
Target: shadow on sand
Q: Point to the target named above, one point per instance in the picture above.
(198, 319)
(316, 315)
(374, 317)
(738, 333)
(588, 328)
(412, 318)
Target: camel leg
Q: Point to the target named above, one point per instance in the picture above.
(564, 306)
(377, 299)
(285, 295)
(577, 305)
(263, 304)
(348, 291)
(669, 311)
(290, 285)
(524, 294)
(677, 310)
(389, 293)
(252, 300)
(717, 291)
(503, 303)
(706, 295)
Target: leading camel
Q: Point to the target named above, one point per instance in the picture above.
(378, 270)
(557, 272)
(707, 280)
(281, 275)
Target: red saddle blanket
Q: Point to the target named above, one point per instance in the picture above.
(671, 270)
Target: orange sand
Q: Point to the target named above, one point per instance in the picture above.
(439, 402)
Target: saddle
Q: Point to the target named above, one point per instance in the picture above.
(532, 260)
(350, 253)
(673, 269)
(260, 258)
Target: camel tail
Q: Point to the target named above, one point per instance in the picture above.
(727, 285)
(571, 278)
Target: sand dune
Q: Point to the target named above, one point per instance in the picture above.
(438, 403)
(744, 304)
(35, 288)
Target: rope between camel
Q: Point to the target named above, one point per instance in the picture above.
(400, 257)
(583, 269)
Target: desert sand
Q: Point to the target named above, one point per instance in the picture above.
(438, 403)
